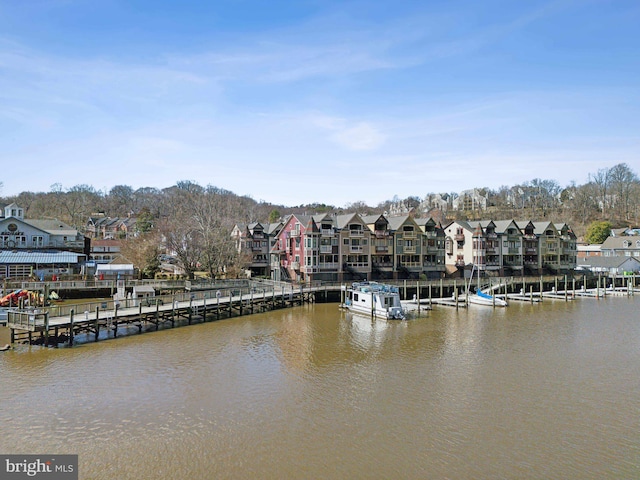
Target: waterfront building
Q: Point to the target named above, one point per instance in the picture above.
(354, 240)
(407, 246)
(252, 243)
(38, 247)
(509, 247)
(382, 248)
(433, 253)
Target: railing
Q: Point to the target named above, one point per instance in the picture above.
(27, 320)
(328, 266)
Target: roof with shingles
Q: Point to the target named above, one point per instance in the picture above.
(53, 226)
(618, 242)
(608, 262)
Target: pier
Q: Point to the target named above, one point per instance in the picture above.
(64, 325)
(181, 304)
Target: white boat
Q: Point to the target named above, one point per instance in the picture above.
(481, 298)
(375, 299)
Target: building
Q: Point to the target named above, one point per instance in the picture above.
(252, 243)
(40, 248)
(102, 227)
(610, 265)
(621, 246)
(105, 251)
(354, 247)
(509, 247)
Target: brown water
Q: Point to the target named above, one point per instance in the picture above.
(532, 391)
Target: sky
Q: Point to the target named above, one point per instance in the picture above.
(316, 101)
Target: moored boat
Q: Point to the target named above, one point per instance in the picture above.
(374, 299)
(481, 298)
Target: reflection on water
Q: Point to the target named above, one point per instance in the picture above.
(531, 391)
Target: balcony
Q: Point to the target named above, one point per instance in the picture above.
(459, 237)
(356, 233)
(356, 249)
(382, 249)
(409, 250)
(326, 249)
(381, 233)
(328, 266)
(295, 265)
(326, 232)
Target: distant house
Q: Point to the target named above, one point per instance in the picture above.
(610, 265)
(624, 246)
(103, 227)
(470, 200)
(105, 251)
(585, 251)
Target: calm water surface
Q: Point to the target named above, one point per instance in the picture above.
(532, 391)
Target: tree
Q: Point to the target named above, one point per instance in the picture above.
(144, 222)
(122, 200)
(622, 184)
(597, 232)
(600, 180)
(274, 216)
(143, 251)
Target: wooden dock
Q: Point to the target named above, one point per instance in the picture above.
(38, 326)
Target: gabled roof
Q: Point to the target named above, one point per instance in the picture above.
(462, 223)
(541, 227)
(55, 227)
(274, 228)
(608, 262)
(502, 226)
(343, 220)
(396, 222)
(618, 243)
(10, 220)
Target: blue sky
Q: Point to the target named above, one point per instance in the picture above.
(316, 101)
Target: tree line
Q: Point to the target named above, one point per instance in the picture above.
(194, 222)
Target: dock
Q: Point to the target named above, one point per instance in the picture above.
(40, 326)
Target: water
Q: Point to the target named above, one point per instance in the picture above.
(531, 391)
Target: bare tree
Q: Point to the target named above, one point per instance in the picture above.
(600, 180)
(622, 184)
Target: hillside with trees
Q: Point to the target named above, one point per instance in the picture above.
(194, 221)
